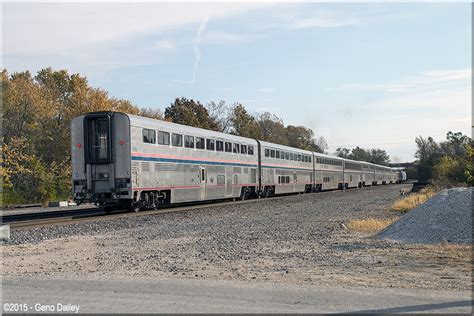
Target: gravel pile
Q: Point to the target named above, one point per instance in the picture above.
(446, 217)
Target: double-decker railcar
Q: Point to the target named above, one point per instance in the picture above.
(144, 163)
(285, 169)
(328, 172)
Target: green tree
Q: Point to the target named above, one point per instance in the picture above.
(300, 137)
(378, 156)
(244, 124)
(190, 112)
(343, 152)
(272, 129)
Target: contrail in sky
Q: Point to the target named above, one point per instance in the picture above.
(197, 50)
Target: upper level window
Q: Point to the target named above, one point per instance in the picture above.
(299, 157)
(250, 150)
(149, 136)
(291, 156)
(177, 140)
(228, 147)
(272, 153)
(310, 159)
(282, 155)
(243, 149)
(267, 152)
(219, 145)
(236, 148)
(200, 143)
(287, 156)
(277, 154)
(189, 141)
(210, 144)
(163, 138)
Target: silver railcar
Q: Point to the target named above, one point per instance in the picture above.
(144, 163)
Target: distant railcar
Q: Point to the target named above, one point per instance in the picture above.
(145, 163)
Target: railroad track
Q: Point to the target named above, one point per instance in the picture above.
(19, 221)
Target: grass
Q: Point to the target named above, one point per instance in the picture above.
(370, 225)
(413, 200)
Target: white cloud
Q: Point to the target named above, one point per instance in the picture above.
(428, 80)
(32, 28)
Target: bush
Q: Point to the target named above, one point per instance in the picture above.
(413, 200)
(370, 225)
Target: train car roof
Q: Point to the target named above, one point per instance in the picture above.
(283, 147)
(142, 121)
(192, 131)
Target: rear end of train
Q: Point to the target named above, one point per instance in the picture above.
(101, 159)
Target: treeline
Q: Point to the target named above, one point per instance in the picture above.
(373, 155)
(38, 109)
(235, 119)
(448, 163)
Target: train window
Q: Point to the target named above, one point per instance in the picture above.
(163, 138)
(188, 141)
(277, 154)
(243, 149)
(267, 152)
(291, 156)
(210, 144)
(310, 159)
(236, 148)
(299, 157)
(287, 156)
(219, 145)
(200, 143)
(272, 153)
(177, 140)
(228, 147)
(149, 136)
(250, 150)
(282, 155)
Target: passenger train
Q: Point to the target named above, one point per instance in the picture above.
(122, 159)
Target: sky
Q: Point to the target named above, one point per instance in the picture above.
(358, 74)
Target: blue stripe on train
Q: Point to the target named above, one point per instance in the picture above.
(200, 162)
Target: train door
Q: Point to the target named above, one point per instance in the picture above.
(98, 152)
(202, 182)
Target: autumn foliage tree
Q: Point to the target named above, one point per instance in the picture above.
(37, 111)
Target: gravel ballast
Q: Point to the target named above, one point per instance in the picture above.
(299, 239)
(446, 217)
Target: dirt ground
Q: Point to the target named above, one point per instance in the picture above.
(328, 254)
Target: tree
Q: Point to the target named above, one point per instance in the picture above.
(244, 124)
(221, 113)
(320, 145)
(428, 153)
(37, 112)
(151, 113)
(343, 152)
(378, 156)
(300, 137)
(272, 128)
(190, 112)
(359, 154)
